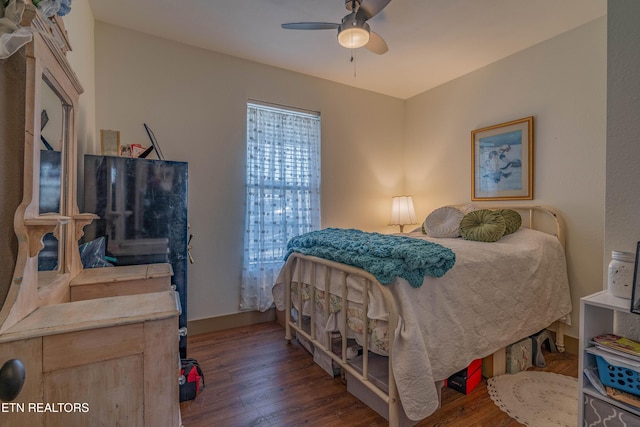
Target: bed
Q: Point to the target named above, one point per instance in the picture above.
(396, 343)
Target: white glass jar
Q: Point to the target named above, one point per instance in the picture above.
(621, 274)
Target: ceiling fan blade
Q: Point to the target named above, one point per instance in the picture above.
(376, 44)
(310, 26)
(370, 8)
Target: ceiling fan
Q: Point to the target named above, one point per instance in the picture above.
(353, 31)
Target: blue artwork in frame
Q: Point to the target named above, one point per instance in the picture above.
(502, 161)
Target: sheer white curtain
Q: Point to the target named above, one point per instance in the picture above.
(282, 194)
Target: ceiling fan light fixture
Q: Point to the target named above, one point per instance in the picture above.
(353, 33)
(353, 38)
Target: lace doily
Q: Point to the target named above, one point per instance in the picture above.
(536, 398)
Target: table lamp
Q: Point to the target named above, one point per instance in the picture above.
(402, 211)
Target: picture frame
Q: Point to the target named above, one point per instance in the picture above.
(635, 290)
(502, 161)
(110, 142)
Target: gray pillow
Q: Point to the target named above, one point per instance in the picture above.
(443, 222)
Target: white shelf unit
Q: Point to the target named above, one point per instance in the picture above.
(598, 317)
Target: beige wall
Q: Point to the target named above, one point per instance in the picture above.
(195, 103)
(562, 83)
(79, 24)
(622, 222)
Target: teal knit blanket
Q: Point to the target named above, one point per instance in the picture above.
(384, 256)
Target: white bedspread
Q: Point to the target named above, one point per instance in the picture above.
(496, 294)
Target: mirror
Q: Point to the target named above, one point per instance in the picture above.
(52, 135)
(39, 94)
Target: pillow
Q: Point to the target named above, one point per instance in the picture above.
(512, 220)
(469, 207)
(443, 222)
(483, 225)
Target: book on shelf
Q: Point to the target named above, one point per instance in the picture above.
(623, 396)
(618, 343)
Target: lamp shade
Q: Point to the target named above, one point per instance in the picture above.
(402, 211)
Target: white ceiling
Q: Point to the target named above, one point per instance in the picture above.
(430, 41)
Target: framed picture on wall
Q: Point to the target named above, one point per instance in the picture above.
(110, 142)
(502, 161)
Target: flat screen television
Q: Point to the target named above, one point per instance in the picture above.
(142, 209)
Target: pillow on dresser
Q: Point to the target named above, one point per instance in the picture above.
(443, 222)
(483, 225)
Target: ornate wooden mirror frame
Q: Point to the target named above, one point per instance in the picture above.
(44, 64)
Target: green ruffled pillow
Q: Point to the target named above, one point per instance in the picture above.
(483, 225)
(512, 220)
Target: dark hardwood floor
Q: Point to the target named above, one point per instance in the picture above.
(254, 378)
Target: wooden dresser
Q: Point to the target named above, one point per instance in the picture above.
(99, 346)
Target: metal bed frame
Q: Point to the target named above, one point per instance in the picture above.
(531, 215)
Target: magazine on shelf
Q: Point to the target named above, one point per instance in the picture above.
(591, 374)
(616, 342)
(612, 351)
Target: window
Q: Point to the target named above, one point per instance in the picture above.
(282, 193)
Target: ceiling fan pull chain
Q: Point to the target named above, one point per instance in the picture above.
(353, 60)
